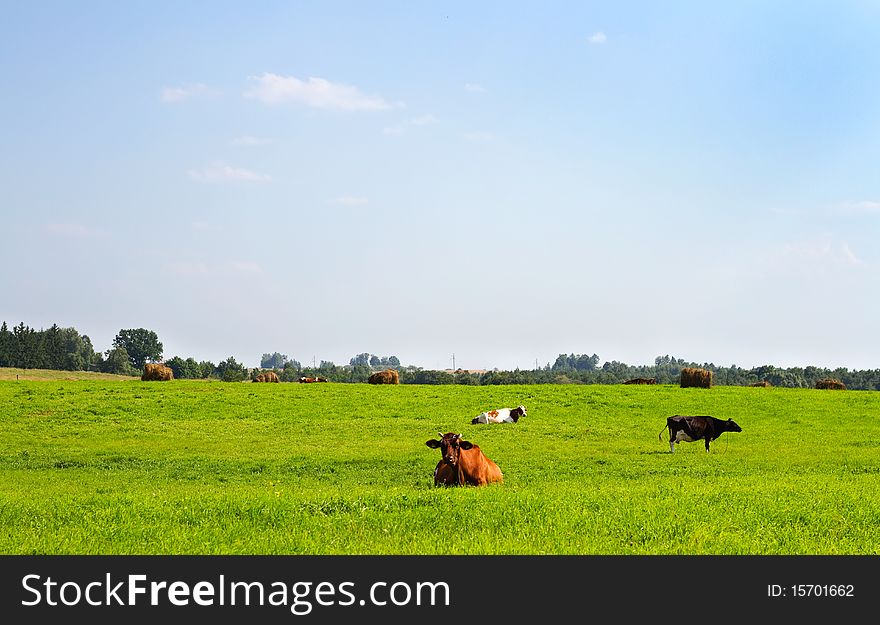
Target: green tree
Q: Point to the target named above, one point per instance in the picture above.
(7, 346)
(207, 369)
(77, 350)
(118, 361)
(27, 348)
(53, 348)
(361, 360)
(142, 345)
(230, 370)
(177, 366)
(273, 361)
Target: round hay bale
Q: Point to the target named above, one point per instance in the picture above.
(696, 378)
(389, 376)
(267, 376)
(832, 384)
(157, 372)
(762, 383)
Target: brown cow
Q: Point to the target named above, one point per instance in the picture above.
(462, 463)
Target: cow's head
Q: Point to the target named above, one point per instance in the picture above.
(732, 426)
(450, 445)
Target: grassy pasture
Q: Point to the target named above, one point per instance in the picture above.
(195, 467)
(12, 373)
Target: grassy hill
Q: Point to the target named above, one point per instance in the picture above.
(92, 466)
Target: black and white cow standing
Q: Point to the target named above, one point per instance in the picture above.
(690, 429)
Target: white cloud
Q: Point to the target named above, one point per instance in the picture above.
(398, 129)
(821, 252)
(350, 200)
(173, 95)
(73, 231)
(478, 135)
(250, 141)
(785, 211)
(219, 172)
(423, 120)
(245, 267)
(186, 268)
(597, 38)
(848, 256)
(864, 207)
(314, 92)
(201, 269)
(474, 87)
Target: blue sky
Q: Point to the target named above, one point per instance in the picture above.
(502, 181)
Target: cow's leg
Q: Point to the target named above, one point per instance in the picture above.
(707, 444)
(671, 445)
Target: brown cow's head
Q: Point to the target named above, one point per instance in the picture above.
(450, 445)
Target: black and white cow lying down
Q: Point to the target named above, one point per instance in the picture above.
(690, 429)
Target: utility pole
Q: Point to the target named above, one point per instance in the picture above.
(453, 363)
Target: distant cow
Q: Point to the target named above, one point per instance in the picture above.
(690, 429)
(305, 380)
(157, 372)
(641, 381)
(462, 463)
(501, 415)
(267, 376)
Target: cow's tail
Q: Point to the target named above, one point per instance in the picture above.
(660, 435)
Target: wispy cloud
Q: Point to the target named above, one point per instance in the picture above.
(201, 269)
(314, 92)
(172, 95)
(863, 207)
(245, 267)
(71, 231)
(478, 135)
(350, 200)
(203, 225)
(597, 38)
(187, 268)
(474, 87)
(825, 252)
(785, 211)
(422, 120)
(220, 172)
(250, 141)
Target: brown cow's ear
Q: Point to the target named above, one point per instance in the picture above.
(433, 444)
(465, 444)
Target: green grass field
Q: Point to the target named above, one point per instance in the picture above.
(194, 467)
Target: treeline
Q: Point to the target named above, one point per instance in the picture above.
(62, 349)
(584, 369)
(66, 349)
